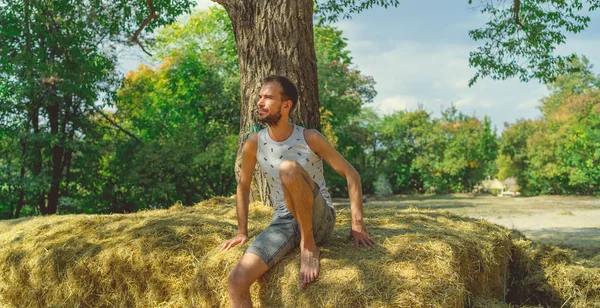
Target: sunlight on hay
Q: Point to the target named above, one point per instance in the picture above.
(170, 258)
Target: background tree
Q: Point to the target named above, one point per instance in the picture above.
(459, 152)
(564, 151)
(185, 114)
(512, 156)
(62, 56)
(404, 136)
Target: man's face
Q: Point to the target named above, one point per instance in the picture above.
(269, 104)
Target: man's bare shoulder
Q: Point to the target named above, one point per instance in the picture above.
(316, 141)
(312, 135)
(252, 139)
(251, 144)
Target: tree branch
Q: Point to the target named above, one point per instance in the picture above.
(136, 35)
(119, 127)
(516, 9)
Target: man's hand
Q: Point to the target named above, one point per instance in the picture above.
(238, 239)
(361, 237)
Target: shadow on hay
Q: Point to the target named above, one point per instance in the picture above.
(16, 221)
(528, 284)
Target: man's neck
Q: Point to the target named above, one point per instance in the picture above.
(281, 131)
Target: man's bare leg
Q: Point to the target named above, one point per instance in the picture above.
(298, 193)
(248, 269)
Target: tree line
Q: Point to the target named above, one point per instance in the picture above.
(176, 127)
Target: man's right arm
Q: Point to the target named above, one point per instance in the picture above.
(243, 192)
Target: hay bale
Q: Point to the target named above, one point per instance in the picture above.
(549, 276)
(169, 258)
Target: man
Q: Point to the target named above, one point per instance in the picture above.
(292, 161)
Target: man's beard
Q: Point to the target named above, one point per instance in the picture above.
(270, 119)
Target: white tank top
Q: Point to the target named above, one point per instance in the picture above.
(270, 154)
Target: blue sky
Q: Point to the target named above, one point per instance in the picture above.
(418, 54)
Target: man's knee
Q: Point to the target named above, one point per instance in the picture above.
(289, 171)
(238, 279)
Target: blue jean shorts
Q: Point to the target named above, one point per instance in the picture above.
(283, 234)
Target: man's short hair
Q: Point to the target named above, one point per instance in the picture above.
(288, 88)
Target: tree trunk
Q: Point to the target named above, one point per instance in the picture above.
(68, 156)
(21, 201)
(274, 37)
(37, 157)
(57, 156)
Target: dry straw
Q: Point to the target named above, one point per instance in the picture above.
(170, 258)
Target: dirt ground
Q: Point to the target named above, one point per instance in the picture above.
(568, 222)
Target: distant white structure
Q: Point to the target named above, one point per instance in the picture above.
(507, 187)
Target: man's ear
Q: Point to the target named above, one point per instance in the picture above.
(288, 105)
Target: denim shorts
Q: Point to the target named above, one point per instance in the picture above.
(283, 234)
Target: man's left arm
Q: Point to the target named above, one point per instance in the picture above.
(325, 150)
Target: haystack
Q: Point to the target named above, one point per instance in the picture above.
(170, 258)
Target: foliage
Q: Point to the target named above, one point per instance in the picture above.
(404, 136)
(166, 142)
(186, 114)
(342, 89)
(459, 152)
(358, 143)
(417, 153)
(57, 61)
(512, 157)
(521, 37)
(559, 153)
(331, 10)
(327, 128)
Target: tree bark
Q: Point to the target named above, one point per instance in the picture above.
(274, 37)
(70, 116)
(21, 201)
(30, 113)
(37, 156)
(57, 156)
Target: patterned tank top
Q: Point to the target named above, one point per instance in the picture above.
(271, 154)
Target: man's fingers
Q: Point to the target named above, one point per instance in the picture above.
(369, 241)
(356, 246)
(372, 241)
(363, 242)
(228, 245)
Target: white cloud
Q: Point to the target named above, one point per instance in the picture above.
(394, 103)
(204, 4)
(528, 104)
(471, 102)
(430, 64)
(436, 75)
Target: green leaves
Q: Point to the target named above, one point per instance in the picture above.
(331, 10)
(520, 41)
(57, 67)
(342, 88)
(186, 112)
(560, 153)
